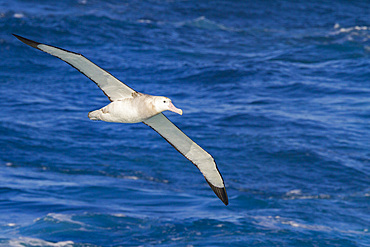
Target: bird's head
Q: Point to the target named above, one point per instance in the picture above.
(163, 104)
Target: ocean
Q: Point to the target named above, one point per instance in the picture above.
(277, 91)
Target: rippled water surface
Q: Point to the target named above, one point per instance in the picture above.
(277, 91)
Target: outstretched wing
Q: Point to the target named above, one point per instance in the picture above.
(112, 87)
(192, 151)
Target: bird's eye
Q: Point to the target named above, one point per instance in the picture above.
(164, 101)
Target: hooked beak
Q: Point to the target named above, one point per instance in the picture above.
(171, 107)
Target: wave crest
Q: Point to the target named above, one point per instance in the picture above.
(356, 33)
(24, 241)
(203, 23)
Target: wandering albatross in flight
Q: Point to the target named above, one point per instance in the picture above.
(130, 106)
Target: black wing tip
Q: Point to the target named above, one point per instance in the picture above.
(220, 193)
(29, 42)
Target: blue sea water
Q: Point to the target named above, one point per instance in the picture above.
(277, 91)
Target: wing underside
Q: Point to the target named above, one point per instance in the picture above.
(192, 151)
(112, 87)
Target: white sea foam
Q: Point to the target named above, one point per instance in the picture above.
(350, 29)
(294, 192)
(297, 194)
(204, 23)
(131, 177)
(144, 21)
(60, 218)
(24, 241)
(119, 215)
(277, 222)
(18, 15)
(306, 226)
(355, 33)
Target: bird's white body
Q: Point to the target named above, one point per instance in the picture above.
(129, 110)
(135, 109)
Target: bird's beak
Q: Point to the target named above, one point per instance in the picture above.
(174, 109)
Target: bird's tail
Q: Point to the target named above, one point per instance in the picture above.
(95, 115)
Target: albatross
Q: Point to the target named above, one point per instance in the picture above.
(130, 106)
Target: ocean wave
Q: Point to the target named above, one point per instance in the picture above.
(297, 194)
(350, 29)
(359, 34)
(57, 218)
(200, 22)
(18, 15)
(278, 222)
(26, 241)
(203, 23)
(145, 21)
(12, 14)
